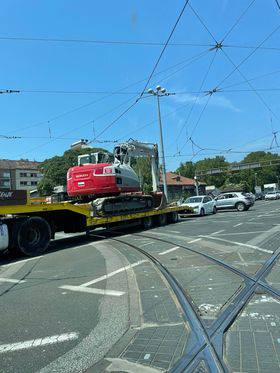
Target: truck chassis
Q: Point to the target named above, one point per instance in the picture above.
(31, 227)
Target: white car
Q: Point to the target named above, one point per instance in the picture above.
(271, 195)
(201, 205)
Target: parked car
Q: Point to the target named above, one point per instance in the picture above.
(271, 195)
(201, 205)
(251, 196)
(259, 196)
(237, 200)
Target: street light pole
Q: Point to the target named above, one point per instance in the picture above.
(162, 152)
(159, 92)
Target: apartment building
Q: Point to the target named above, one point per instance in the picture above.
(19, 175)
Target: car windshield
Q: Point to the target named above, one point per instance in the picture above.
(194, 200)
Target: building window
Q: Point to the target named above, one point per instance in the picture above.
(5, 183)
(33, 175)
(23, 183)
(34, 182)
(6, 174)
(23, 174)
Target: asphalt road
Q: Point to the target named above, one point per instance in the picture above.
(97, 304)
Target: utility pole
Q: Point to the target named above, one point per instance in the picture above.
(160, 92)
(255, 181)
(196, 186)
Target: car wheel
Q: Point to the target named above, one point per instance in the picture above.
(214, 210)
(240, 206)
(202, 212)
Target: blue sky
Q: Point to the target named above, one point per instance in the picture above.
(231, 120)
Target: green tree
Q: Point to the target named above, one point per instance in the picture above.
(142, 166)
(187, 169)
(210, 163)
(264, 175)
(55, 169)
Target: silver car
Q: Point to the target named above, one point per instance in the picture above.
(201, 205)
(271, 195)
(234, 200)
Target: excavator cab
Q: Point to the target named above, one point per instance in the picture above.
(94, 158)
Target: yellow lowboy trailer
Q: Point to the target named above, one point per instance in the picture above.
(28, 228)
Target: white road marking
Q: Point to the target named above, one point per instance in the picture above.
(197, 239)
(222, 230)
(38, 342)
(12, 280)
(237, 225)
(20, 261)
(104, 277)
(169, 250)
(240, 244)
(240, 233)
(217, 221)
(242, 259)
(145, 244)
(84, 289)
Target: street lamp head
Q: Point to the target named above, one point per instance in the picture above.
(163, 90)
(158, 87)
(151, 91)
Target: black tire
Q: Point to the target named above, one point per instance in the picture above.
(202, 212)
(33, 236)
(240, 206)
(214, 210)
(162, 220)
(172, 217)
(147, 222)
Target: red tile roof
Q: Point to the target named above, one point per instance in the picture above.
(175, 179)
(22, 164)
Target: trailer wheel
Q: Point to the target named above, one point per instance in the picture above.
(33, 236)
(173, 217)
(162, 219)
(147, 222)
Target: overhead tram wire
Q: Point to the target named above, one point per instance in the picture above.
(108, 42)
(150, 76)
(125, 42)
(185, 63)
(203, 23)
(252, 87)
(222, 152)
(251, 79)
(221, 46)
(248, 56)
(165, 46)
(154, 121)
(207, 101)
(196, 99)
(236, 67)
(87, 123)
(237, 21)
(80, 107)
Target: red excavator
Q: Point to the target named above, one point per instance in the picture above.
(111, 185)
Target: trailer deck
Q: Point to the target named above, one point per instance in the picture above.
(31, 226)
